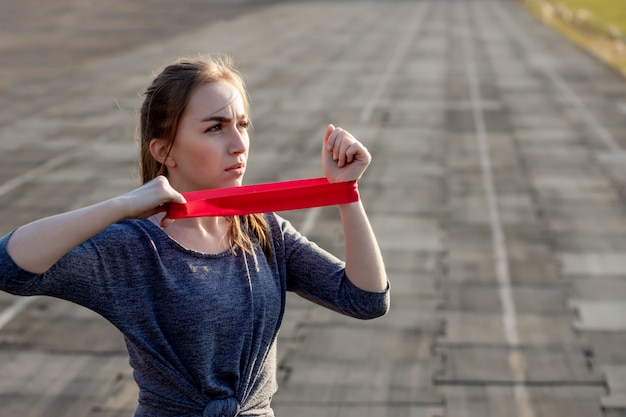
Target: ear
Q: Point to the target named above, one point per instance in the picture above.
(160, 150)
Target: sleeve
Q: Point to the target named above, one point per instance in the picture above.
(320, 277)
(82, 276)
(14, 279)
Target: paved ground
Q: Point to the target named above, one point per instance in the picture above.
(497, 192)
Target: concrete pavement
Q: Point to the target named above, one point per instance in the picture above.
(496, 191)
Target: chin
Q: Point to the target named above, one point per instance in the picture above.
(233, 183)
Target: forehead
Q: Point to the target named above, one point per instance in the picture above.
(215, 97)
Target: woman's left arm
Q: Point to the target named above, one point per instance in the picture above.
(345, 159)
(364, 262)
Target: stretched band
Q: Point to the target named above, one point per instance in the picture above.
(263, 198)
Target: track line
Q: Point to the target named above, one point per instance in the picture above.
(517, 363)
(14, 309)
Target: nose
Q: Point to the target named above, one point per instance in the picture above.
(239, 141)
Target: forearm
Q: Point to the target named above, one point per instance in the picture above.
(364, 262)
(37, 246)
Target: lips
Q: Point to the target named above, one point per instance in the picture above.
(237, 166)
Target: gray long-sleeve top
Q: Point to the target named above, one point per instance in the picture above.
(200, 329)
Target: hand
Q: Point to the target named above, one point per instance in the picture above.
(149, 199)
(344, 158)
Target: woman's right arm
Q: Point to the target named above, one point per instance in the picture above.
(36, 246)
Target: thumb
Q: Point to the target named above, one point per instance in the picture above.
(178, 198)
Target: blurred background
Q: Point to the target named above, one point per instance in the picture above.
(497, 192)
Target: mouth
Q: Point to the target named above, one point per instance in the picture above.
(237, 168)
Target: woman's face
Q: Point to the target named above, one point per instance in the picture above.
(211, 145)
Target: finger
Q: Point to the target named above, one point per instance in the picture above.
(360, 152)
(351, 152)
(178, 198)
(166, 221)
(341, 155)
(163, 187)
(172, 195)
(161, 208)
(337, 138)
(346, 144)
(326, 142)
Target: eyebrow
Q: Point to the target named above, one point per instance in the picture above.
(222, 118)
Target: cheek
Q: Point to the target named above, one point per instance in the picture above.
(194, 153)
(206, 153)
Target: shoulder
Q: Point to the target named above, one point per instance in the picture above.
(278, 224)
(127, 235)
(288, 240)
(128, 228)
(281, 229)
(272, 219)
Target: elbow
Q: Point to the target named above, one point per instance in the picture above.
(371, 305)
(383, 311)
(380, 311)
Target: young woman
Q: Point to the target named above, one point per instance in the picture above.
(199, 300)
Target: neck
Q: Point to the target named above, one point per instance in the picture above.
(210, 225)
(202, 234)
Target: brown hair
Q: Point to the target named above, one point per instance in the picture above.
(165, 101)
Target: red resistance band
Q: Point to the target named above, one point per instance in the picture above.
(263, 198)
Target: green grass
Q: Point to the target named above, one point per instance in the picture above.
(610, 12)
(598, 41)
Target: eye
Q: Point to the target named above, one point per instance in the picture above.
(214, 128)
(244, 124)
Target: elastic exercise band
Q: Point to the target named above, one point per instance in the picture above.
(263, 198)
